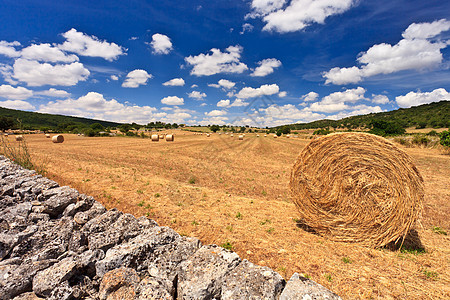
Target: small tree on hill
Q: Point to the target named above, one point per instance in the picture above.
(214, 128)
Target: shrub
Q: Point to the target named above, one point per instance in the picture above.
(445, 138)
(321, 131)
(420, 140)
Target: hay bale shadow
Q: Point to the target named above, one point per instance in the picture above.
(411, 243)
(300, 223)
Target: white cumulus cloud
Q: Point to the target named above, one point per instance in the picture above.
(47, 53)
(161, 44)
(223, 103)
(197, 95)
(266, 67)
(311, 96)
(217, 62)
(215, 113)
(136, 78)
(238, 103)
(172, 100)
(265, 89)
(85, 45)
(8, 48)
(282, 94)
(14, 93)
(16, 104)
(54, 93)
(380, 99)
(223, 83)
(94, 105)
(34, 73)
(416, 51)
(418, 98)
(175, 82)
(283, 16)
(114, 77)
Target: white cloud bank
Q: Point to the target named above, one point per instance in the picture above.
(85, 45)
(217, 62)
(16, 104)
(172, 100)
(265, 89)
(288, 16)
(175, 82)
(94, 105)
(136, 78)
(34, 73)
(14, 93)
(416, 51)
(161, 44)
(224, 84)
(266, 67)
(419, 98)
(197, 95)
(50, 64)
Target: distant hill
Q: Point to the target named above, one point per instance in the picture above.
(34, 120)
(433, 115)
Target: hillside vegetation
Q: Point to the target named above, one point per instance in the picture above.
(34, 120)
(433, 115)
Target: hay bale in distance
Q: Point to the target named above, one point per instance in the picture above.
(161, 137)
(231, 135)
(155, 138)
(275, 136)
(19, 138)
(59, 138)
(48, 135)
(357, 187)
(170, 138)
(241, 137)
(208, 135)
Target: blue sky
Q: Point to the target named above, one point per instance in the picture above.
(241, 62)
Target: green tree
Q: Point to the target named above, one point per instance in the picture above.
(445, 138)
(97, 126)
(6, 123)
(214, 128)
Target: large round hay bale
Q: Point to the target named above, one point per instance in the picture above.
(155, 137)
(57, 138)
(357, 187)
(170, 138)
(19, 138)
(241, 137)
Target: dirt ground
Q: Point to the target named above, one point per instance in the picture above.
(235, 194)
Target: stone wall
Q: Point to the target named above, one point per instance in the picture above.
(56, 243)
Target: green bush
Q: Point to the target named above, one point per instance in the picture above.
(321, 132)
(421, 140)
(445, 138)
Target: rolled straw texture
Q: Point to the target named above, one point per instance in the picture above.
(57, 138)
(357, 187)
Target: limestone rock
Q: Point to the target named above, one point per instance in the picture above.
(299, 287)
(136, 251)
(200, 276)
(249, 281)
(119, 284)
(153, 288)
(15, 280)
(47, 280)
(57, 199)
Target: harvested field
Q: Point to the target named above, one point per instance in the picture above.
(227, 191)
